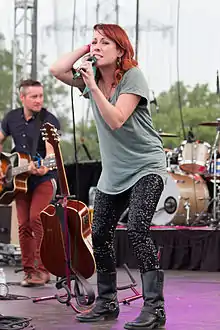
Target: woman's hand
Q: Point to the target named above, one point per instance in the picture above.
(87, 74)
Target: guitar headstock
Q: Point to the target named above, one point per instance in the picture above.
(50, 133)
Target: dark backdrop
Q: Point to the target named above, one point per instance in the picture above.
(88, 175)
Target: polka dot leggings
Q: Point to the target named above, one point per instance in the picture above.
(142, 200)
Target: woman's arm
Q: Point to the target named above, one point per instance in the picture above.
(115, 116)
(62, 68)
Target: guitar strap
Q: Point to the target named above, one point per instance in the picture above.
(33, 143)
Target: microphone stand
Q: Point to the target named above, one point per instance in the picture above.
(61, 203)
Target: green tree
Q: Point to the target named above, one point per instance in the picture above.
(199, 105)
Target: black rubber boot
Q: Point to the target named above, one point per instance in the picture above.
(152, 315)
(106, 304)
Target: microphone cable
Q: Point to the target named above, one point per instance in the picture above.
(13, 322)
(72, 108)
(75, 147)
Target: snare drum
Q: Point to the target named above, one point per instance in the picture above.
(193, 157)
(182, 193)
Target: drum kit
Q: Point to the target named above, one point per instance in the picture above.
(191, 196)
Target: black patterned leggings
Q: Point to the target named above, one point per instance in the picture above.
(142, 201)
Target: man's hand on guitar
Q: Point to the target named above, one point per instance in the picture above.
(42, 170)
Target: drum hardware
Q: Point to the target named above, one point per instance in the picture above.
(173, 169)
(170, 205)
(169, 155)
(215, 221)
(216, 197)
(187, 208)
(179, 181)
(218, 205)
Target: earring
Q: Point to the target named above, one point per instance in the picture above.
(118, 62)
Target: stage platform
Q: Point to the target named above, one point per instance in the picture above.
(192, 303)
(181, 248)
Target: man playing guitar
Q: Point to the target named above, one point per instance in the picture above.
(24, 124)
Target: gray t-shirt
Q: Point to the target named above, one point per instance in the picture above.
(135, 149)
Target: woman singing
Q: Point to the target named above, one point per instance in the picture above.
(133, 168)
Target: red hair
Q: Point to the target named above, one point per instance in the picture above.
(120, 37)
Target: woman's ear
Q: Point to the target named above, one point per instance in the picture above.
(120, 52)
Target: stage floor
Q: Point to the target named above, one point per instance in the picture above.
(192, 303)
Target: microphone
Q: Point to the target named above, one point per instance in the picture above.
(92, 59)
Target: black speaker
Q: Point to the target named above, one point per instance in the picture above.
(5, 224)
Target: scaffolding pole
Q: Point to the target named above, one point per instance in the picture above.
(24, 46)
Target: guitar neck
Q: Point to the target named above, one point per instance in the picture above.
(64, 188)
(24, 168)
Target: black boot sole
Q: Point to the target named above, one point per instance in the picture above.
(146, 328)
(97, 319)
(138, 327)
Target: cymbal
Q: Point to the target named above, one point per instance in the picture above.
(163, 134)
(210, 123)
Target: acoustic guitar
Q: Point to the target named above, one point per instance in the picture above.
(15, 170)
(53, 253)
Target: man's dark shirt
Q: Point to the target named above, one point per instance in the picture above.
(24, 133)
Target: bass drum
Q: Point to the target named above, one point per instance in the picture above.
(184, 198)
